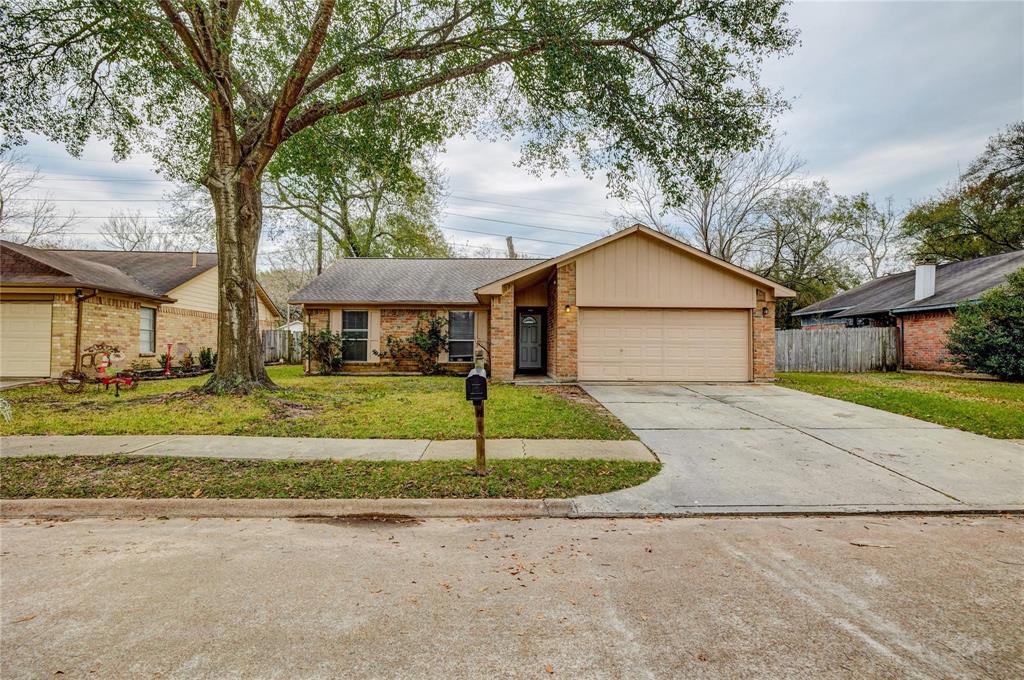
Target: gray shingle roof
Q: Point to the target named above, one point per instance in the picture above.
(407, 280)
(161, 272)
(74, 269)
(955, 282)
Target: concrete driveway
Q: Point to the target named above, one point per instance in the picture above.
(762, 448)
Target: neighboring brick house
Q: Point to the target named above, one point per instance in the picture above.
(56, 303)
(636, 305)
(921, 303)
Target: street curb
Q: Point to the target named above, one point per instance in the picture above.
(74, 508)
(269, 508)
(839, 511)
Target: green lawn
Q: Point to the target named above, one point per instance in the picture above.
(337, 406)
(163, 477)
(987, 407)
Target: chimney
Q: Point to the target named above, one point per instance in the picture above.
(924, 280)
(195, 258)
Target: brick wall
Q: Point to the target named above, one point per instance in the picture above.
(194, 328)
(111, 320)
(924, 341)
(399, 323)
(62, 334)
(763, 341)
(503, 319)
(566, 323)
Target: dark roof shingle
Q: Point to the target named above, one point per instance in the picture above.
(62, 269)
(955, 282)
(407, 280)
(161, 272)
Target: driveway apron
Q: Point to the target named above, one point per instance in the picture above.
(763, 448)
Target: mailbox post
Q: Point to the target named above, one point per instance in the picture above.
(476, 392)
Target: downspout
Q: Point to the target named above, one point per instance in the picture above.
(79, 300)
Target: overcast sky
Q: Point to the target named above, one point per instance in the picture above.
(892, 98)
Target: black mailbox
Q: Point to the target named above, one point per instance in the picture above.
(476, 385)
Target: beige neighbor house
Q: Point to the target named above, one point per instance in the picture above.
(636, 305)
(56, 303)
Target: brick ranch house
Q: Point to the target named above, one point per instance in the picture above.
(55, 303)
(921, 303)
(636, 305)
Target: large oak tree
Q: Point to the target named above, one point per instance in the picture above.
(213, 88)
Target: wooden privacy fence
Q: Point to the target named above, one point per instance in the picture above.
(283, 345)
(843, 350)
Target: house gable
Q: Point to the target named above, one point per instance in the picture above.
(640, 271)
(200, 293)
(531, 273)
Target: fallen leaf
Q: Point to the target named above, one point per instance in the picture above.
(861, 544)
(23, 619)
(549, 668)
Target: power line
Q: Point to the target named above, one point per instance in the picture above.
(521, 238)
(457, 197)
(520, 224)
(524, 207)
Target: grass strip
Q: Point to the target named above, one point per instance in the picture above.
(169, 477)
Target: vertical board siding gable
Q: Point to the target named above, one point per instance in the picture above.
(639, 271)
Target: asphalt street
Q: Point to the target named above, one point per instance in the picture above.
(866, 597)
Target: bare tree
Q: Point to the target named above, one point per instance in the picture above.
(874, 231)
(24, 218)
(131, 231)
(644, 203)
(722, 219)
(189, 219)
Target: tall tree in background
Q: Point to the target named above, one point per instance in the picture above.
(381, 201)
(615, 83)
(983, 214)
(25, 218)
(874, 232)
(721, 218)
(130, 231)
(188, 214)
(801, 247)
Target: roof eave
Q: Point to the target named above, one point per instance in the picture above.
(929, 308)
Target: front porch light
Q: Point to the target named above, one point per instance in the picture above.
(567, 308)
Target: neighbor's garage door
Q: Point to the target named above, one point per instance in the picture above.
(664, 344)
(25, 339)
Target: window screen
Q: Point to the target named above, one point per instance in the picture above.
(147, 330)
(355, 329)
(460, 335)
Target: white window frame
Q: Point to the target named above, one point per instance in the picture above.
(471, 340)
(365, 329)
(143, 350)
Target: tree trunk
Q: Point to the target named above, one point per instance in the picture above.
(239, 210)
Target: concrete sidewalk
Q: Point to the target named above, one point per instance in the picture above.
(304, 448)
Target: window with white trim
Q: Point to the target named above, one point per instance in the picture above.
(147, 330)
(461, 326)
(355, 329)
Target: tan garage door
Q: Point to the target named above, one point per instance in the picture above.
(25, 339)
(664, 344)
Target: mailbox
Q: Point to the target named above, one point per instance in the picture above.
(476, 385)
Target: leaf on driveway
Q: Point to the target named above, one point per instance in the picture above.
(862, 544)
